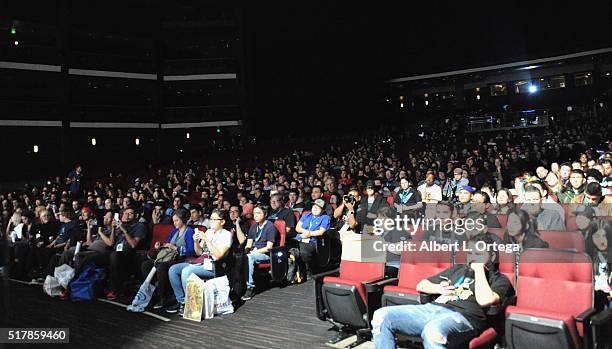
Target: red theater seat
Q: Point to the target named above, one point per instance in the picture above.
(554, 300)
(349, 296)
(572, 240)
(503, 220)
(414, 267)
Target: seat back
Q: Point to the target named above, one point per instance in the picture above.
(390, 200)
(161, 233)
(418, 265)
(497, 231)
(279, 224)
(297, 216)
(555, 280)
(361, 271)
(563, 239)
(503, 219)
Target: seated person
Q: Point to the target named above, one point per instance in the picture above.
(129, 232)
(43, 234)
(368, 208)
(346, 209)
(442, 229)
(180, 240)
(481, 202)
(212, 245)
(310, 226)
(593, 196)
(278, 211)
(239, 227)
(70, 227)
(599, 249)
(261, 238)
(545, 219)
(197, 216)
(158, 215)
(458, 314)
(408, 200)
(464, 199)
(520, 231)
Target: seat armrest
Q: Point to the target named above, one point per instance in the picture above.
(319, 277)
(586, 315)
(379, 285)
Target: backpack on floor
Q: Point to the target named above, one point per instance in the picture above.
(238, 274)
(89, 285)
(294, 275)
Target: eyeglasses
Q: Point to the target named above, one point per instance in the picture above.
(216, 219)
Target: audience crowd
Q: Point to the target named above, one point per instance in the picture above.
(528, 175)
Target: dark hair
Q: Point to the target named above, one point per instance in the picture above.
(577, 171)
(509, 194)
(532, 189)
(317, 186)
(487, 198)
(596, 225)
(264, 208)
(222, 213)
(447, 204)
(593, 189)
(295, 191)
(527, 225)
(182, 214)
(238, 207)
(493, 264)
(196, 207)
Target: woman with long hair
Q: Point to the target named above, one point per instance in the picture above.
(598, 247)
(520, 230)
(504, 201)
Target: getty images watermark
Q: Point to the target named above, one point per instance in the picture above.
(458, 227)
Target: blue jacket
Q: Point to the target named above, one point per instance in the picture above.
(188, 239)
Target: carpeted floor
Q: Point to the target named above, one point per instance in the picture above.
(277, 318)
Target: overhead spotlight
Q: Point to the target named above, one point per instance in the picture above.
(426, 102)
(16, 43)
(402, 105)
(187, 135)
(35, 148)
(137, 141)
(533, 89)
(93, 142)
(478, 97)
(13, 30)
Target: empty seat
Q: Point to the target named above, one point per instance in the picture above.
(554, 300)
(344, 296)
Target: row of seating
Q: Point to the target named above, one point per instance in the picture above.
(553, 306)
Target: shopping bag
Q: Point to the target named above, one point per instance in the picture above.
(89, 285)
(64, 274)
(144, 294)
(194, 299)
(223, 303)
(52, 287)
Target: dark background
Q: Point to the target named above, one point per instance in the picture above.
(326, 63)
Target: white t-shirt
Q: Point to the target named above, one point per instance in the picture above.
(431, 194)
(219, 239)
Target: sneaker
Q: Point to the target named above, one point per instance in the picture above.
(158, 305)
(249, 294)
(111, 296)
(181, 309)
(173, 308)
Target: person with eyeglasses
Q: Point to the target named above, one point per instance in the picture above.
(210, 246)
(261, 238)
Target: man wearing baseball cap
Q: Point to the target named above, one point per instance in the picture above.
(464, 195)
(311, 225)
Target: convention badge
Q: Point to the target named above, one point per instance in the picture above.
(119, 247)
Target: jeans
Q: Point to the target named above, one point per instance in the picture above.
(436, 325)
(179, 273)
(255, 257)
